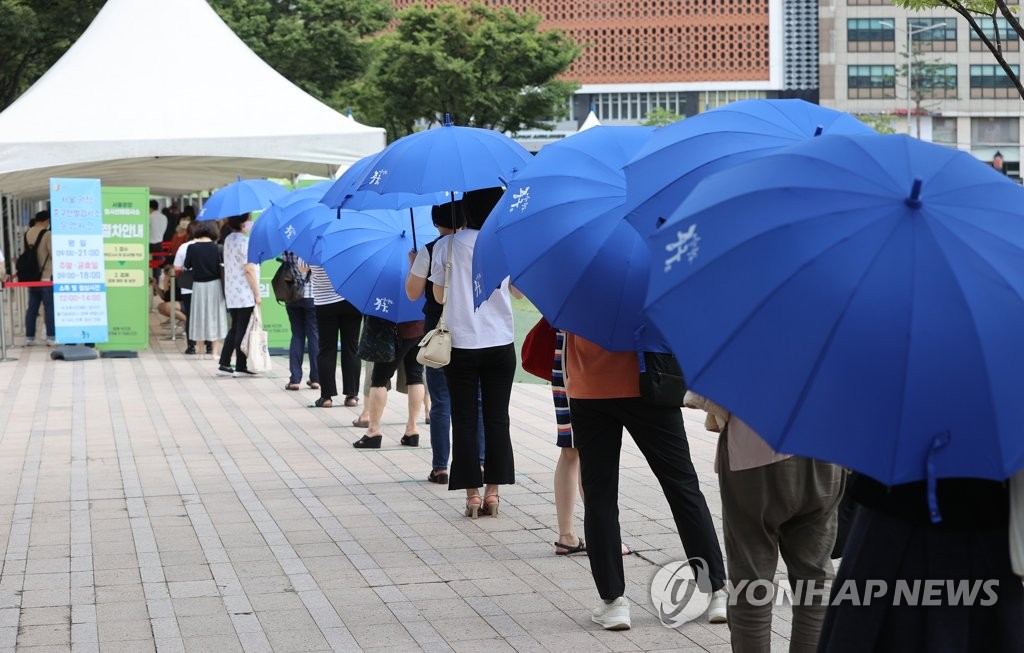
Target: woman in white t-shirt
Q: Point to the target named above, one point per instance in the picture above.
(484, 357)
(241, 292)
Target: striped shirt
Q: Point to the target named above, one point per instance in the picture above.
(323, 289)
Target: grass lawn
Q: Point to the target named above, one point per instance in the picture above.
(525, 316)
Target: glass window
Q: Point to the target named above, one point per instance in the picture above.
(989, 81)
(935, 81)
(944, 130)
(870, 29)
(1007, 37)
(995, 131)
(932, 29)
(871, 81)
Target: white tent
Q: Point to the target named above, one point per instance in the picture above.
(102, 111)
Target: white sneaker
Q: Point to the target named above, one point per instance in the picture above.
(50, 342)
(612, 616)
(30, 342)
(717, 607)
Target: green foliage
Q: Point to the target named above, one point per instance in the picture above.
(880, 122)
(486, 67)
(33, 35)
(659, 117)
(317, 44)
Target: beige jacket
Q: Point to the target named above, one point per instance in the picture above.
(44, 253)
(747, 449)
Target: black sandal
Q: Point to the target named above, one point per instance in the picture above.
(322, 402)
(566, 550)
(411, 440)
(368, 442)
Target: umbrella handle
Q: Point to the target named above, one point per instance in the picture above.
(412, 223)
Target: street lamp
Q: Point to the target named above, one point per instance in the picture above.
(910, 62)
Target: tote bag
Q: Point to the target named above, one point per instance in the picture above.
(255, 344)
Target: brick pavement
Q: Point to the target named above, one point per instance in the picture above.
(148, 504)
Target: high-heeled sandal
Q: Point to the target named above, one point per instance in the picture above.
(491, 507)
(473, 509)
(368, 442)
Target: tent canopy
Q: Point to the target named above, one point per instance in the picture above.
(101, 110)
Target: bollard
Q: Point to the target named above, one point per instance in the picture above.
(3, 327)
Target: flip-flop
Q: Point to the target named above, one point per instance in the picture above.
(312, 384)
(628, 551)
(322, 402)
(292, 386)
(361, 423)
(566, 550)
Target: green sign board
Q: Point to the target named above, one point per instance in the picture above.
(275, 318)
(126, 258)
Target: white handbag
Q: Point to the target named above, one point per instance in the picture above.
(436, 346)
(255, 344)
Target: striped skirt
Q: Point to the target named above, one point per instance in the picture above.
(559, 394)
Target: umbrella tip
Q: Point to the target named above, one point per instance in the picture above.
(818, 130)
(660, 221)
(914, 201)
(447, 119)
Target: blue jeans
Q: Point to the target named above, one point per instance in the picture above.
(302, 318)
(441, 418)
(37, 297)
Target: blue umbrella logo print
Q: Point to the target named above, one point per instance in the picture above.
(687, 244)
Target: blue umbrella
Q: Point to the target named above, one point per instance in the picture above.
(302, 229)
(267, 238)
(448, 158)
(679, 155)
(858, 300)
(366, 256)
(559, 232)
(242, 196)
(344, 193)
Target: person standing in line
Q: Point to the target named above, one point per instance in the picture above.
(302, 319)
(39, 236)
(241, 293)
(157, 227)
(773, 503)
(606, 399)
(483, 360)
(207, 314)
(416, 285)
(336, 318)
(191, 228)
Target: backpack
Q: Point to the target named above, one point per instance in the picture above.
(27, 264)
(286, 287)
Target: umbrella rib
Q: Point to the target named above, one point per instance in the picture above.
(970, 312)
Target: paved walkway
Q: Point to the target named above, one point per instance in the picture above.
(149, 504)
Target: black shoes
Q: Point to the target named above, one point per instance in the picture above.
(411, 440)
(225, 370)
(368, 442)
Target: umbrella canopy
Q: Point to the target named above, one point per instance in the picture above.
(301, 230)
(366, 256)
(448, 158)
(679, 155)
(267, 238)
(344, 193)
(242, 196)
(858, 300)
(559, 232)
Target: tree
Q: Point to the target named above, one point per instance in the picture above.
(319, 45)
(926, 76)
(485, 67)
(989, 11)
(33, 35)
(659, 117)
(881, 123)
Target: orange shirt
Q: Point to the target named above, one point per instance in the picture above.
(596, 373)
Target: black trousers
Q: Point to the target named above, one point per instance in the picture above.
(333, 321)
(233, 340)
(658, 431)
(489, 371)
